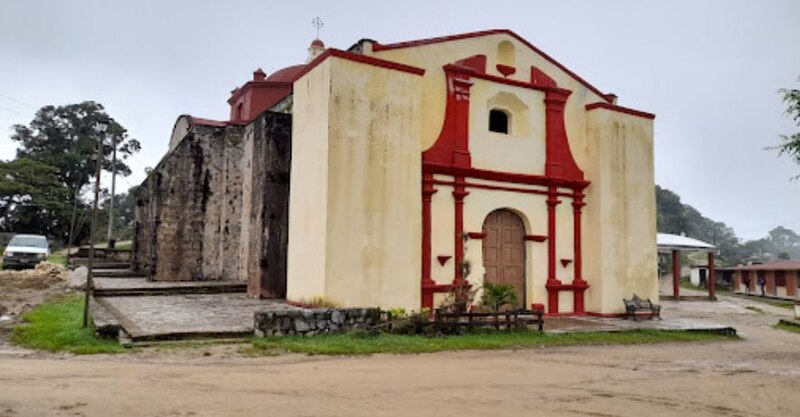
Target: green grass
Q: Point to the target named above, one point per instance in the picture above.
(789, 305)
(787, 327)
(55, 326)
(358, 344)
(755, 309)
(57, 259)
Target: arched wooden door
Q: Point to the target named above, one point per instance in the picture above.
(504, 251)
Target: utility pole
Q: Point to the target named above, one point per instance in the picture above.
(110, 240)
(100, 128)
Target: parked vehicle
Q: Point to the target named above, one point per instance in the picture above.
(25, 251)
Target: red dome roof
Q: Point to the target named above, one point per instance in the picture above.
(287, 74)
(318, 43)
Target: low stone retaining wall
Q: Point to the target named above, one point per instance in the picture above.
(307, 322)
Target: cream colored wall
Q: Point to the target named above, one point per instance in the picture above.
(433, 56)
(374, 210)
(443, 233)
(521, 151)
(355, 206)
(620, 219)
(308, 222)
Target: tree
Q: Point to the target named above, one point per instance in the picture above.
(65, 137)
(790, 144)
(32, 199)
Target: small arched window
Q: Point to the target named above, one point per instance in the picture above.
(499, 121)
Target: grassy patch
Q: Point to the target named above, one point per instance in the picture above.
(782, 304)
(55, 326)
(57, 259)
(755, 309)
(787, 327)
(358, 344)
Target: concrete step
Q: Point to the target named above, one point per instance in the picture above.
(100, 264)
(123, 287)
(106, 326)
(111, 273)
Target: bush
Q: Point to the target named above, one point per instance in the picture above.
(498, 295)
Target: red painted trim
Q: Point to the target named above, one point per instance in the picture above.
(459, 193)
(500, 188)
(517, 83)
(577, 208)
(257, 85)
(553, 284)
(539, 78)
(476, 63)
(506, 70)
(443, 259)
(565, 262)
(377, 47)
(476, 235)
(620, 109)
(427, 194)
(452, 146)
(534, 238)
(559, 162)
(362, 59)
(484, 174)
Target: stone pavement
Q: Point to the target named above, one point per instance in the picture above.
(161, 317)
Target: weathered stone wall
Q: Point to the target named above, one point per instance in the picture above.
(308, 322)
(188, 212)
(265, 210)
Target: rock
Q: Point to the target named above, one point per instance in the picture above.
(260, 333)
(338, 317)
(301, 325)
(77, 278)
(309, 314)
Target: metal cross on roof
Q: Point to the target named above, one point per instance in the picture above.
(318, 23)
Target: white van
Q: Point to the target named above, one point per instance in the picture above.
(25, 251)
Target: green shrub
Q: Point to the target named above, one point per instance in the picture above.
(498, 295)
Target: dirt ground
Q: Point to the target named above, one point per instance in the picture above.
(757, 376)
(21, 290)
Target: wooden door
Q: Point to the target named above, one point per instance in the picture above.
(504, 251)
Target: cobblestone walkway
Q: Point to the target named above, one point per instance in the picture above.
(170, 316)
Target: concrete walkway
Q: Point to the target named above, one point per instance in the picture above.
(164, 317)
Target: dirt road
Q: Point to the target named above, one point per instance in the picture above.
(758, 376)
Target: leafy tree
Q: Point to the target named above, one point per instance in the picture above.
(65, 137)
(790, 144)
(32, 199)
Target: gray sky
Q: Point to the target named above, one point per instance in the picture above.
(710, 71)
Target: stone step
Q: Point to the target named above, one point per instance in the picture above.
(106, 326)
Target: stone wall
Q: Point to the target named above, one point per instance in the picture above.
(308, 322)
(265, 210)
(188, 213)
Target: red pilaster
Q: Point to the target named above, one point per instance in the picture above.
(578, 282)
(712, 280)
(427, 193)
(676, 274)
(560, 163)
(553, 284)
(459, 192)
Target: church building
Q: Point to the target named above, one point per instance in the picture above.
(386, 173)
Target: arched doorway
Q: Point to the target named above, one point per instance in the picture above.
(504, 251)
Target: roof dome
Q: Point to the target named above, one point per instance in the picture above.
(317, 43)
(287, 74)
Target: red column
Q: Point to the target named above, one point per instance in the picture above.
(553, 284)
(676, 274)
(578, 283)
(712, 280)
(459, 192)
(427, 193)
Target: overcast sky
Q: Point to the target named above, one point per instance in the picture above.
(709, 70)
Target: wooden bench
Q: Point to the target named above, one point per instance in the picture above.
(637, 304)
